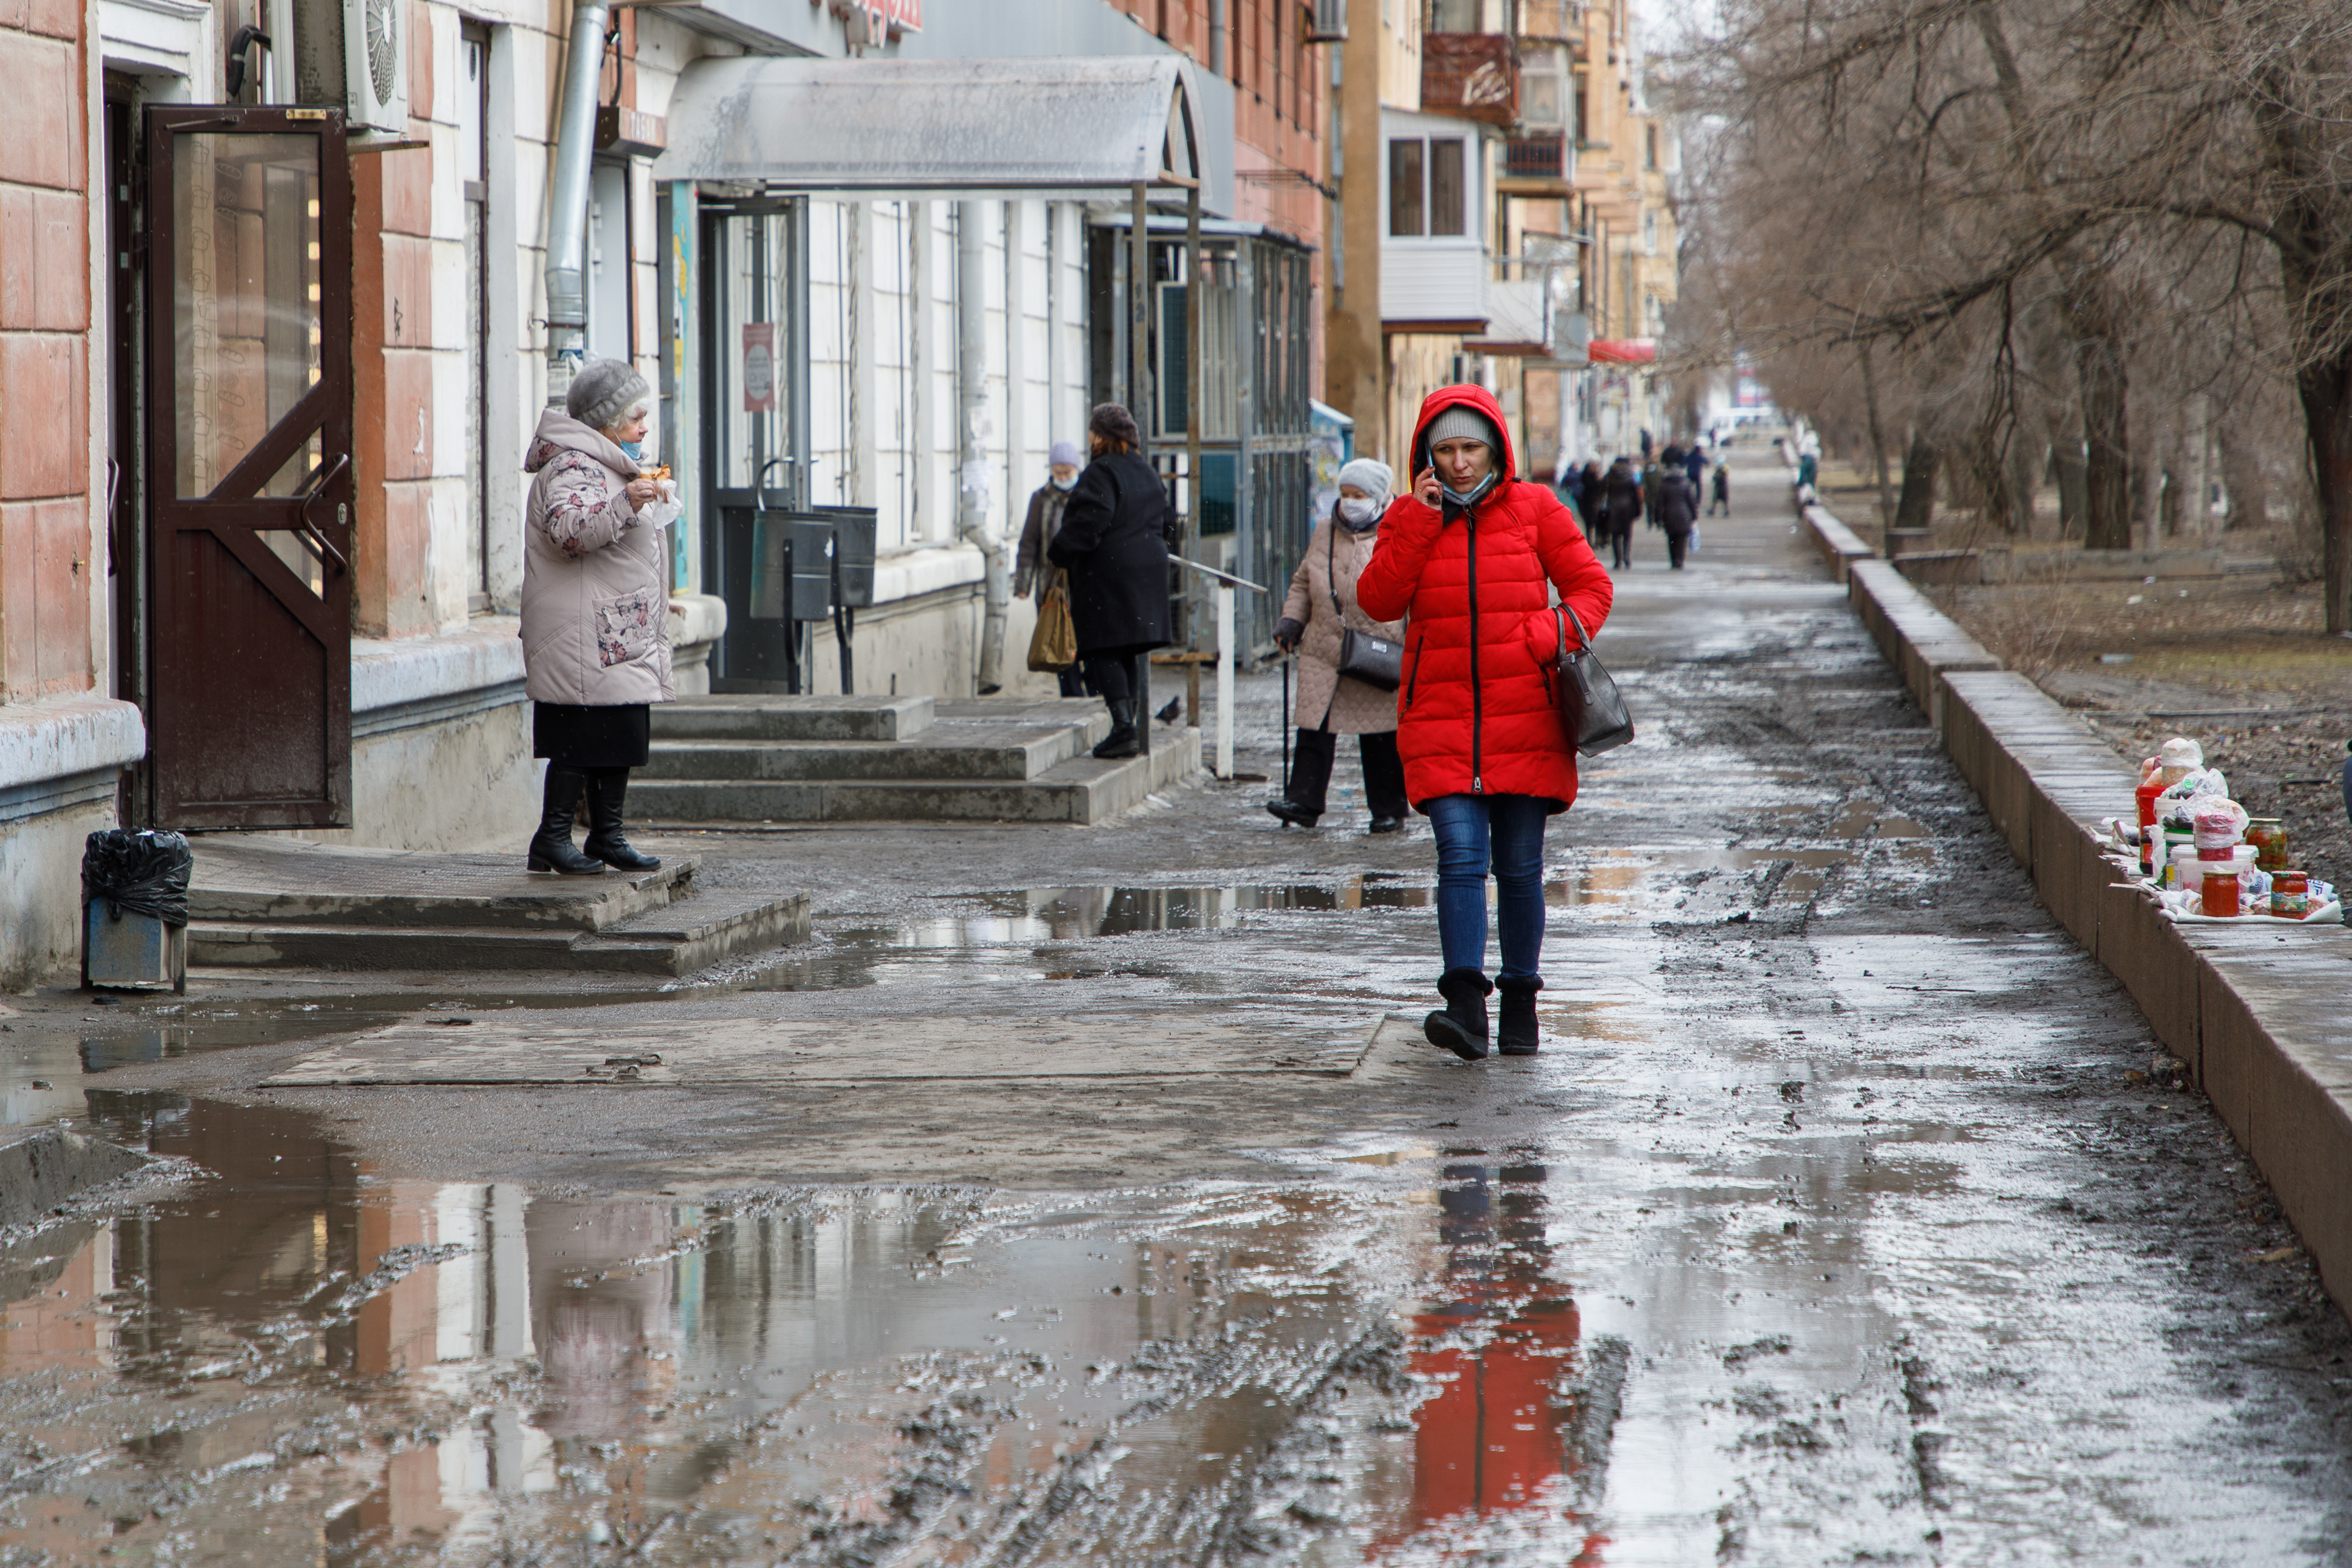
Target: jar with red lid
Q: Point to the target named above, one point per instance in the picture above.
(2218, 897)
(2290, 894)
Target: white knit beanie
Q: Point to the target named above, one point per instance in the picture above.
(1370, 474)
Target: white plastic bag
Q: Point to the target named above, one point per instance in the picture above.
(661, 514)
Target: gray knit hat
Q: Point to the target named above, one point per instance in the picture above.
(604, 390)
(1461, 424)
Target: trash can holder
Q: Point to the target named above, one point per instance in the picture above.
(134, 910)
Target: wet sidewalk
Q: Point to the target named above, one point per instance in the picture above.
(1838, 1221)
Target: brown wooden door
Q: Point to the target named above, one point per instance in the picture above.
(250, 484)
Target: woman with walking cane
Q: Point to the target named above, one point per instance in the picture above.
(1472, 555)
(1347, 684)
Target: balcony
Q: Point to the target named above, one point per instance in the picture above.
(1470, 76)
(1553, 21)
(1541, 156)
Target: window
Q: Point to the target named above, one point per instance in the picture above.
(1454, 15)
(1649, 147)
(1539, 93)
(1448, 187)
(1407, 208)
(1583, 126)
(1650, 233)
(1429, 187)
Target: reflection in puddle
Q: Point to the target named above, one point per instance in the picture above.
(1511, 1426)
(304, 1360)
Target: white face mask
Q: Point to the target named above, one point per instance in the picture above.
(1359, 509)
(1060, 483)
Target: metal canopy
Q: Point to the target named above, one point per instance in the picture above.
(943, 127)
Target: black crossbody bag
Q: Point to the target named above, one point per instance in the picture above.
(1374, 660)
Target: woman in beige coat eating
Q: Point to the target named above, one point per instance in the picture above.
(1314, 618)
(595, 615)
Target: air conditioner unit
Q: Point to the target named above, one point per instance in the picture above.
(375, 65)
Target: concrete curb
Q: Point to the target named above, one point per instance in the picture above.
(41, 1167)
(2260, 1014)
(1839, 545)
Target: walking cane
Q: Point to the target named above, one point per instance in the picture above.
(1285, 727)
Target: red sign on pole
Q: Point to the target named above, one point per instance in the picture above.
(759, 366)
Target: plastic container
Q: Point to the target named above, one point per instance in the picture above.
(2216, 828)
(2189, 866)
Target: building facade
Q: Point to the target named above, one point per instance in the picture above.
(1506, 201)
(274, 331)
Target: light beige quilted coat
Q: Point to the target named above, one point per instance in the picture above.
(596, 582)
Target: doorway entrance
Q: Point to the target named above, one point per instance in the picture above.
(755, 435)
(248, 468)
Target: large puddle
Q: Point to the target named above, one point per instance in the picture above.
(300, 1361)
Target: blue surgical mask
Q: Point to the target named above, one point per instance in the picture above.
(1069, 484)
(635, 451)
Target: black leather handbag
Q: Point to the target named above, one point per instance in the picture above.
(1593, 711)
(1363, 656)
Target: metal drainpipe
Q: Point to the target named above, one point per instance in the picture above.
(567, 204)
(972, 415)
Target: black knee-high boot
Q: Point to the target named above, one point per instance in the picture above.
(607, 792)
(550, 847)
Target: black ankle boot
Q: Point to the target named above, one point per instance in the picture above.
(606, 793)
(1291, 812)
(1122, 740)
(550, 847)
(1516, 1033)
(1460, 1026)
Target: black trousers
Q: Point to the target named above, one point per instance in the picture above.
(1310, 771)
(1074, 683)
(1620, 546)
(1116, 675)
(1675, 544)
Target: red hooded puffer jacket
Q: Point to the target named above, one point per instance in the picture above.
(1475, 715)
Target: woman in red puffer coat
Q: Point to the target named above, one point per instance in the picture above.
(1470, 556)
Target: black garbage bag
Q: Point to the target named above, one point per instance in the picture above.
(144, 873)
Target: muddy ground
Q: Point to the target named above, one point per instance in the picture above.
(1849, 1215)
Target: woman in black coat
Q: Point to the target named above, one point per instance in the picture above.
(1114, 540)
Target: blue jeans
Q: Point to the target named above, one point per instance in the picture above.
(1505, 832)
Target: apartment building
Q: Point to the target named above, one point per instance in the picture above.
(281, 298)
(1507, 201)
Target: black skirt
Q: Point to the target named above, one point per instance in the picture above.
(591, 738)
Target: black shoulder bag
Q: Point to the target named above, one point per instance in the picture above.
(1591, 711)
(1375, 661)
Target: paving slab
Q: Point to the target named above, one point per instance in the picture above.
(744, 1051)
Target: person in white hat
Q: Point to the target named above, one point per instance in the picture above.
(1030, 567)
(1315, 616)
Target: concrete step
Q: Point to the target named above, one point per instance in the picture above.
(810, 718)
(947, 752)
(1081, 789)
(296, 883)
(692, 934)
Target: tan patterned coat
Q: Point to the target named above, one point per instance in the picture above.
(1354, 708)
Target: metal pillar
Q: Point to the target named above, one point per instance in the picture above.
(1224, 680)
